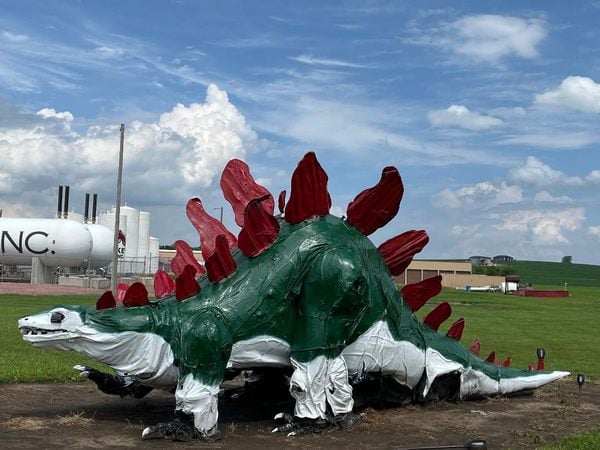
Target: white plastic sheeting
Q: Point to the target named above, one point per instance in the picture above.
(319, 382)
(263, 351)
(201, 400)
(377, 351)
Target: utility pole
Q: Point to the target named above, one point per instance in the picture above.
(115, 255)
(221, 208)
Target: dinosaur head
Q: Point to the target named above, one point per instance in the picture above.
(54, 328)
(120, 337)
(77, 328)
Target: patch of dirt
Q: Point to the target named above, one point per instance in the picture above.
(77, 415)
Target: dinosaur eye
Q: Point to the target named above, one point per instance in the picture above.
(56, 317)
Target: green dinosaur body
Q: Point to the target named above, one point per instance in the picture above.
(320, 299)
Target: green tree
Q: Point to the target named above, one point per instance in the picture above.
(567, 259)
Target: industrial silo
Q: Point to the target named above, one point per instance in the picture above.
(133, 221)
(143, 251)
(154, 254)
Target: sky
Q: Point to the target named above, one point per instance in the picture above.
(489, 110)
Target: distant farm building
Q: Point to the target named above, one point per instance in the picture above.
(502, 259)
(480, 260)
(455, 274)
(488, 261)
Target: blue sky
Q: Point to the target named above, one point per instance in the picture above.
(490, 111)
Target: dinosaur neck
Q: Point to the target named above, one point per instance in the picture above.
(138, 319)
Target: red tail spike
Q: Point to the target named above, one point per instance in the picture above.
(398, 252)
(417, 294)
(373, 208)
(121, 290)
(435, 318)
(260, 229)
(309, 197)
(239, 188)
(208, 228)
(220, 264)
(136, 295)
(456, 329)
(281, 201)
(183, 257)
(186, 285)
(475, 347)
(491, 357)
(506, 362)
(106, 301)
(163, 284)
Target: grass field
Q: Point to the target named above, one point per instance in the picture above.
(510, 325)
(20, 362)
(543, 273)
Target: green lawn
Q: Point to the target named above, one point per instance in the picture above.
(540, 272)
(20, 361)
(516, 326)
(512, 326)
(587, 441)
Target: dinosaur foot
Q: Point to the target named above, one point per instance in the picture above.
(122, 386)
(295, 426)
(180, 429)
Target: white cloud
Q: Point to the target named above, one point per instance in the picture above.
(460, 116)
(579, 93)
(486, 37)
(491, 37)
(104, 51)
(543, 227)
(479, 196)
(464, 231)
(594, 230)
(337, 211)
(166, 162)
(311, 60)
(547, 197)
(14, 37)
(535, 172)
(553, 140)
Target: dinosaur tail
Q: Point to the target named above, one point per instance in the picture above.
(445, 356)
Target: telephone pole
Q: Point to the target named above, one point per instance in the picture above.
(114, 267)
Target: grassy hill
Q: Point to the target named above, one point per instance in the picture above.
(557, 274)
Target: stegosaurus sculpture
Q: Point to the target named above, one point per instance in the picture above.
(305, 290)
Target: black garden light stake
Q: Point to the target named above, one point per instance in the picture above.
(477, 444)
(580, 381)
(541, 353)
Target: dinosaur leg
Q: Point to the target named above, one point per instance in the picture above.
(114, 384)
(205, 349)
(331, 305)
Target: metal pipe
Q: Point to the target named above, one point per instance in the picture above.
(59, 206)
(86, 209)
(66, 203)
(94, 207)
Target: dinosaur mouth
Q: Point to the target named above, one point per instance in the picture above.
(33, 331)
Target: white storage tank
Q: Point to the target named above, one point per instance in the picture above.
(57, 242)
(102, 244)
(154, 254)
(131, 235)
(144, 235)
(107, 218)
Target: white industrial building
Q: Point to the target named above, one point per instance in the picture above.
(141, 251)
